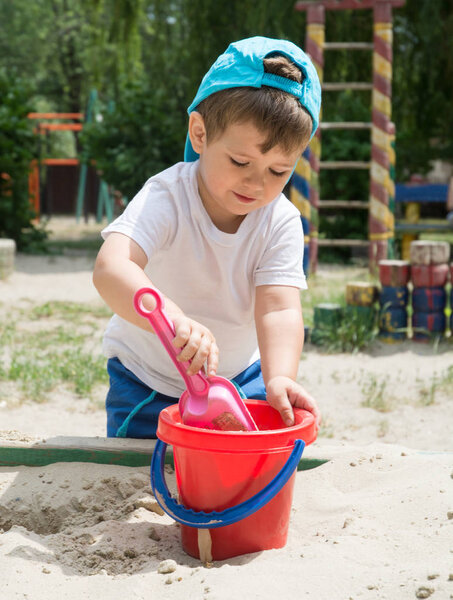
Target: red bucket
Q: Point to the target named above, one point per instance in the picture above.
(218, 470)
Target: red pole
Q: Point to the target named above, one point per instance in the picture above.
(33, 186)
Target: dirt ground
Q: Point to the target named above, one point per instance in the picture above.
(392, 393)
(372, 523)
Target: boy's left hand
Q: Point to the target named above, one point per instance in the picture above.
(283, 393)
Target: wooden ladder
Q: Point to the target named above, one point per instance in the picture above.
(335, 205)
(379, 204)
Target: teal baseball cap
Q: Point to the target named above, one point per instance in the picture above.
(241, 65)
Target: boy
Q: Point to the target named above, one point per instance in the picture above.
(220, 241)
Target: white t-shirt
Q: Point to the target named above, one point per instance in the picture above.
(211, 275)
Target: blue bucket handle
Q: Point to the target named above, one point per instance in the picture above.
(233, 514)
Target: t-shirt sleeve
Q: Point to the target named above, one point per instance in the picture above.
(281, 261)
(150, 219)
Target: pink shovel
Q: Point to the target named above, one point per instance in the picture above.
(208, 402)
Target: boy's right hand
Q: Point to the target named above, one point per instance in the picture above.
(198, 345)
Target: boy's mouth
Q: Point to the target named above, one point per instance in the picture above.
(242, 198)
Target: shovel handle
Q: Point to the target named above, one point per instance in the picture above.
(196, 384)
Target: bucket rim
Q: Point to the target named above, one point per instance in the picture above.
(176, 433)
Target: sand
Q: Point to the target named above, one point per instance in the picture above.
(374, 522)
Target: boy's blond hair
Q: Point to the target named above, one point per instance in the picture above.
(275, 113)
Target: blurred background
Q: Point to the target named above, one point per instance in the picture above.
(130, 68)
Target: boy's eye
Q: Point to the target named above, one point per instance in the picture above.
(237, 163)
(277, 173)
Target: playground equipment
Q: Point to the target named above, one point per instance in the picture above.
(360, 306)
(43, 128)
(326, 316)
(413, 196)
(394, 276)
(305, 192)
(427, 274)
(105, 201)
(429, 268)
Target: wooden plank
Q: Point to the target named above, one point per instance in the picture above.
(346, 85)
(345, 4)
(343, 243)
(55, 162)
(348, 46)
(61, 126)
(348, 204)
(430, 192)
(109, 451)
(420, 226)
(38, 457)
(345, 125)
(114, 451)
(344, 164)
(34, 115)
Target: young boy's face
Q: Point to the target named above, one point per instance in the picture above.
(235, 177)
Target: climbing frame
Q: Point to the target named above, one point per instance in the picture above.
(381, 165)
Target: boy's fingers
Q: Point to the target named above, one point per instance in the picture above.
(192, 347)
(197, 346)
(200, 356)
(306, 402)
(291, 397)
(182, 334)
(287, 415)
(213, 360)
(283, 405)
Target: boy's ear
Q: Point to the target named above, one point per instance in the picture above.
(197, 131)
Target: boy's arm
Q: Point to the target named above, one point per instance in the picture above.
(280, 331)
(119, 273)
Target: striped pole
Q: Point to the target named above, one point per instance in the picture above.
(300, 197)
(380, 217)
(314, 45)
(392, 179)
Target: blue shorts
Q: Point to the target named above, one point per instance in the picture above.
(127, 392)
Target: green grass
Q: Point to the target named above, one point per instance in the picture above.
(56, 343)
(38, 373)
(442, 383)
(374, 392)
(351, 335)
(88, 247)
(69, 310)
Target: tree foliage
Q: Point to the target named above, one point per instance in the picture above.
(146, 59)
(423, 84)
(66, 47)
(17, 144)
(180, 40)
(142, 136)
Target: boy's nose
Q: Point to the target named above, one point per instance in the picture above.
(254, 180)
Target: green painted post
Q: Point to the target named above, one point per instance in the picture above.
(81, 190)
(105, 203)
